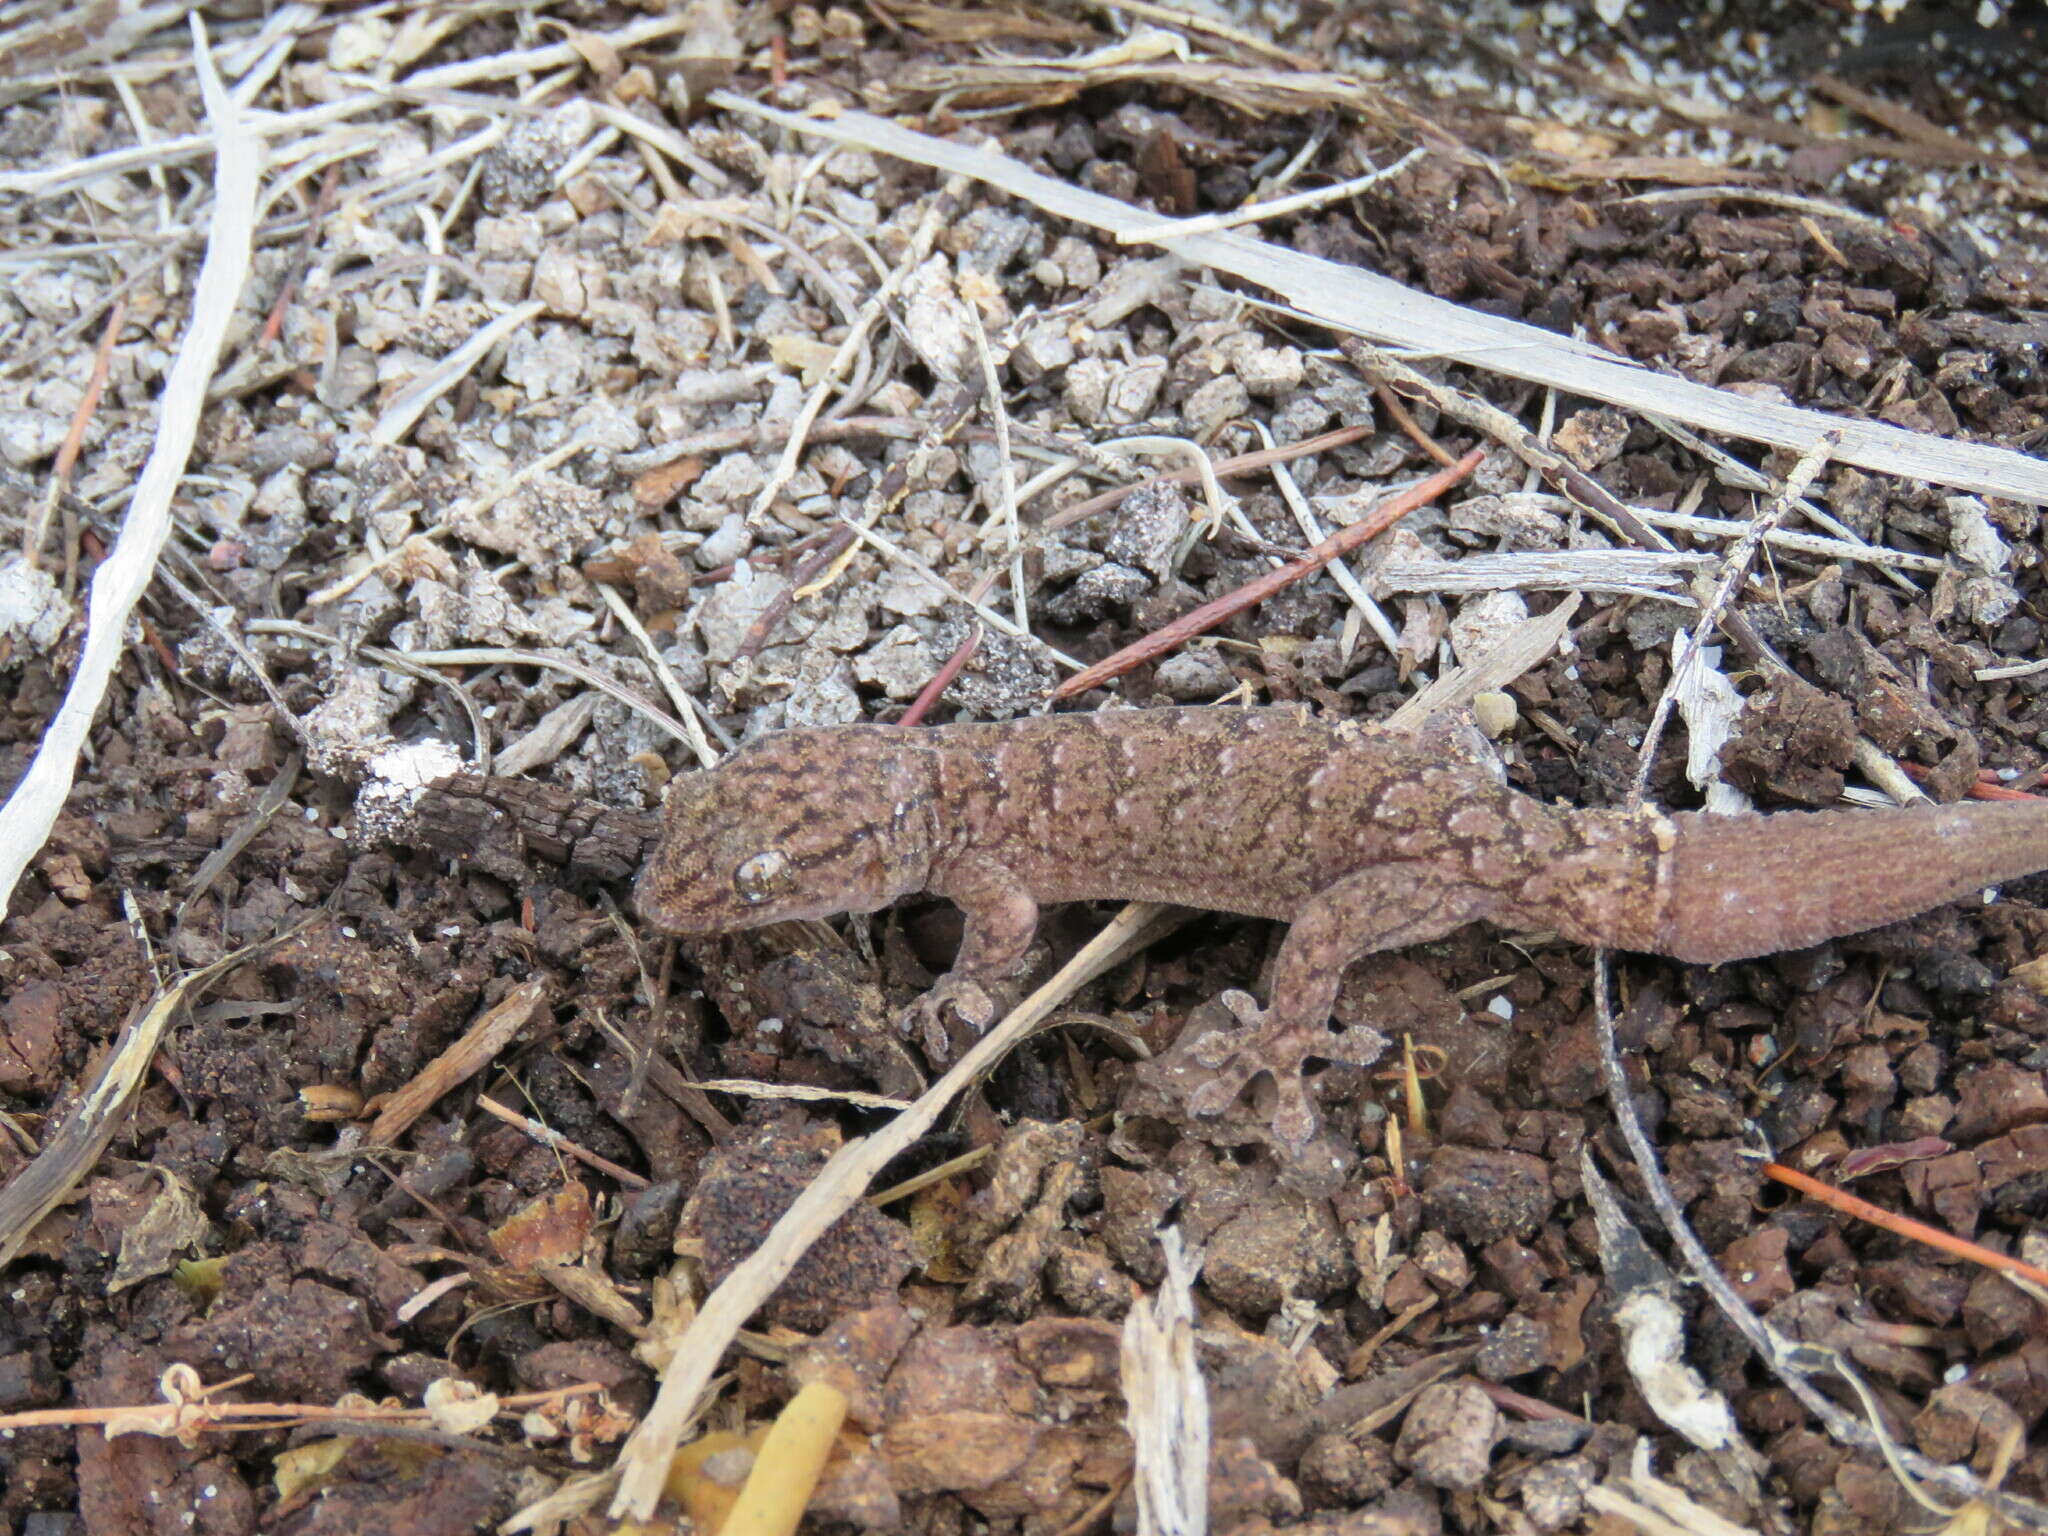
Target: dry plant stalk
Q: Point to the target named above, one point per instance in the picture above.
(1166, 1404)
(477, 1049)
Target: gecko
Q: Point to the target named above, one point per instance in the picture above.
(1361, 840)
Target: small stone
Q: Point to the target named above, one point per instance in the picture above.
(1518, 1346)
(736, 477)
(567, 283)
(824, 693)
(1085, 389)
(1972, 537)
(1482, 1196)
(33, 612)
(1149, 527)
(1096, 592)
(1042, 349)
(936, 319)
(900, 663)
(1339, 1468)
(1997, 1097)
(1442, 1263)
(1005, 676)
(1484, 622)
(994, 239)
(1277, 1248)
(906, 593)
(1270, 371)
(1520, 519)
(1221, 400)
(28, 437)
(1964, 1424)
(550, 364)
(1079, 265)
(1594, 437)
(519, 170)
(1554, 1493)
(730, 540)
(1192, 676)
(731, 608)
(1496, 713)
(1755, 1265)
(1447, 1437)
(1134, 390)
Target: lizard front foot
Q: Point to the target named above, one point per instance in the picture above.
(1266, 1042)
(925, 1019)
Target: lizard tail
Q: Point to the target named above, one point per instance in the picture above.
(1741, 886)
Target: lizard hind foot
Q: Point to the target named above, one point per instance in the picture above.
(925, 1019)
(1264, 1042)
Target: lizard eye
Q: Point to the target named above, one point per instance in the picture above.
(763, 877)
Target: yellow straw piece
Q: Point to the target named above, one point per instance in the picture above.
(790, 1462)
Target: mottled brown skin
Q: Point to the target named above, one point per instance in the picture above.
(1361, 840)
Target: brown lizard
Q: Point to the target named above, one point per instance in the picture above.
(1362, 840)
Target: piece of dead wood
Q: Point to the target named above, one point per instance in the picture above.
(500, 825)
(1166, 1403)
(477, 1049)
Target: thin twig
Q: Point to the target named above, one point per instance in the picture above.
(1904, 1226)
(74, 440)
(556, 1141)
(1172, 636)
(1006, 467)
(943, 679)
(1313, 530)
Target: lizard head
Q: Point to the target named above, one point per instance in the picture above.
(804, 824)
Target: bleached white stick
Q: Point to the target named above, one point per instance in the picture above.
(117, 586)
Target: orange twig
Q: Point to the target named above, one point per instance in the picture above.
(1904, 1226)
(273, 326)
(929, 694)
(1399, 414)
(1172, 636)
(1985, 787)
(74, 440)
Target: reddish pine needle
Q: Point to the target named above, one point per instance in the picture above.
(1172, 636)
(943, 679)
(1904, 1226)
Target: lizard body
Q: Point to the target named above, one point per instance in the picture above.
(1361, 840)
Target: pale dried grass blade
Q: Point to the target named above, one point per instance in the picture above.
(1366, 304)
(118, 585)
(69, 1155)
(1166, 1407)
